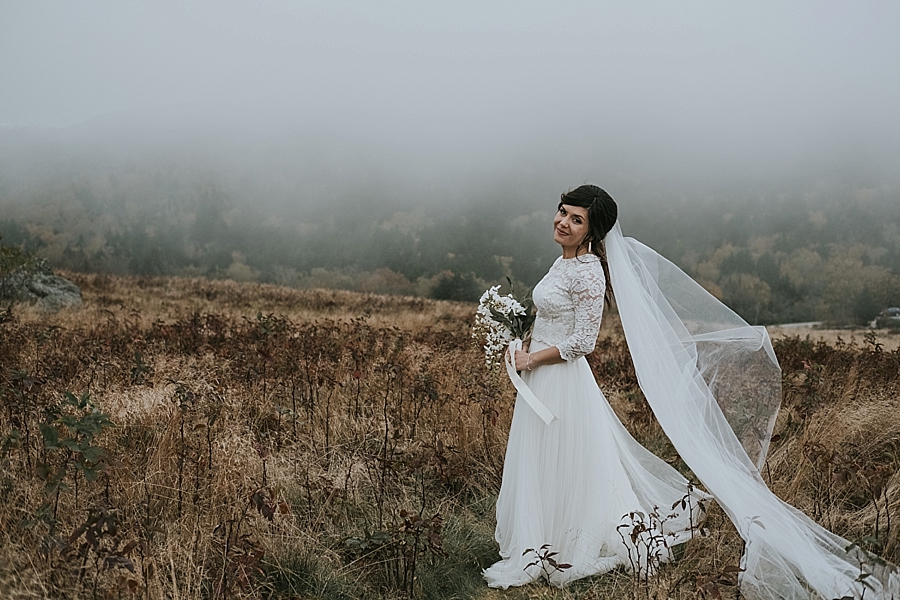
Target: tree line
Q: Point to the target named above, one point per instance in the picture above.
(830, 255)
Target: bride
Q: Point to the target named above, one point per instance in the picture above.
(578, 484)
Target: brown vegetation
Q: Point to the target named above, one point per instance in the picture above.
(182, 438)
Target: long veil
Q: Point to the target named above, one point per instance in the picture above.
(714, 384)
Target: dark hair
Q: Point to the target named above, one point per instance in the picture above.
(602, 214)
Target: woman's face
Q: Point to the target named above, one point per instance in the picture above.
(570, 226)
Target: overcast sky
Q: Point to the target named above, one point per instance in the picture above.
(583, 89)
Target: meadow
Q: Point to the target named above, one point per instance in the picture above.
(193, 438)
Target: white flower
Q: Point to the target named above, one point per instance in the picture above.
(496, 336)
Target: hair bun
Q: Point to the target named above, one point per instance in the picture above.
(602, 209)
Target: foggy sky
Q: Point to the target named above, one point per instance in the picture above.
(551, 94)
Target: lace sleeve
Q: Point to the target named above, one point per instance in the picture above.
(587, 289)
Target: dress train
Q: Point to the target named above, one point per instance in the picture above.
(569, 485)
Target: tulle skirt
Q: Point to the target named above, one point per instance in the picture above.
(570, 485)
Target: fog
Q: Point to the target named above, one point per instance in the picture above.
(449, 102)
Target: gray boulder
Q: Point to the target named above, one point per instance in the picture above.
(49, 292)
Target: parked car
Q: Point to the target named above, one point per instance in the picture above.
(889, 318)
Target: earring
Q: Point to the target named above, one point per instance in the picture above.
(589, 247)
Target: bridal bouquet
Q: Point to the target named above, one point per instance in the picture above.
(498, 321)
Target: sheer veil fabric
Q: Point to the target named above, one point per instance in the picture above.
(714, 384)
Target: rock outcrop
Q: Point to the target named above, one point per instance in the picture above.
(46, 290)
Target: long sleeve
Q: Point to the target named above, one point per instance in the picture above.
(587, 289)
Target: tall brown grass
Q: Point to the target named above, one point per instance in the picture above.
(276, 443)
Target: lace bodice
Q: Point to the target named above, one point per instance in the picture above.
(569, 302)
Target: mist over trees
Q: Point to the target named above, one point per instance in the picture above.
(814, 248)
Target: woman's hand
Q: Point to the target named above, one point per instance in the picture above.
(527, 361)
(522, 361)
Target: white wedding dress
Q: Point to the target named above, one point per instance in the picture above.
(570, 483)
(714, 385)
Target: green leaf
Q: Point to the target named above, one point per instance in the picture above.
(93, 454)
(527, 322)
(502, 319)
(50, 435)
(85, 400)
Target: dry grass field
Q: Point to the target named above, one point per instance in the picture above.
(182, 438)
(888, 338)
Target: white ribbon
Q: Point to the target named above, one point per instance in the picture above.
(535, 404)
